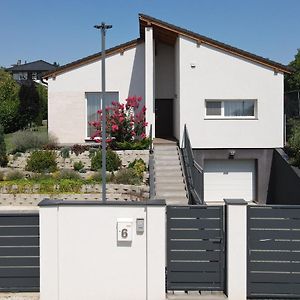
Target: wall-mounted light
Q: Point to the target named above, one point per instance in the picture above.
(231, 154)
(193, 65)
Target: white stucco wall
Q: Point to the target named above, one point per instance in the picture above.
(81, 257)
(149, 79)
(125, 73)
(219, 75)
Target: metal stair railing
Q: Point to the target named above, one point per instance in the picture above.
(193, 171)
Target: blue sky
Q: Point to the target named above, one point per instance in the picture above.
(62, 30)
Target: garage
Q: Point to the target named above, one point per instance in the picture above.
(233, 179)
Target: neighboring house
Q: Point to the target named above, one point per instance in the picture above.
(230, 100)
(32, 71)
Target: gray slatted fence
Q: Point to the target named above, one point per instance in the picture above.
(274, 252)
(195, 248)
(19, 252)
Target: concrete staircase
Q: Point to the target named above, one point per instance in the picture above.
(168, 176)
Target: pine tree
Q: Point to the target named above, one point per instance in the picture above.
(29, 105)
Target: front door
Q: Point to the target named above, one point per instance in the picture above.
(164, 118)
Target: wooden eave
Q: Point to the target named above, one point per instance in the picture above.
(168, 32)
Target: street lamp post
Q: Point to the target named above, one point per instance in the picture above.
(103, 27)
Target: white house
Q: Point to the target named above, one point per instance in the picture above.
(230, 100)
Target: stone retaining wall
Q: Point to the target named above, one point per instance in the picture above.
(91, 193)
(126, 156)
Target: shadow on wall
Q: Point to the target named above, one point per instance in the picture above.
(284, 185)
(137, 79)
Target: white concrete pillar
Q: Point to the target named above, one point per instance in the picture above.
(149, 79)
(236, 230)
(49, 274)
(156, 249)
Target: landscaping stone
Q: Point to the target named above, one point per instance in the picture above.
(126, 156)
(89, 192)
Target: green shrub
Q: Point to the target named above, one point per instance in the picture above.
(97, 177)
(92, 152)
(127, 176)
(52, 143)
(14, 175)
(27, 140)
(1, 176)
(133, 145)
(78, 165)
(113, 161)
(65, 152)
(69, 185)
(294, 142)
(3, 156)
(40, 177)
(139, 167)
(67, 174)
(42, 161)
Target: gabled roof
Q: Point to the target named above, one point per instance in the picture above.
(38, 65)
(169, 31)
(91, 58)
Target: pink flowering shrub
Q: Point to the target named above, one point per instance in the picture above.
(124, 122)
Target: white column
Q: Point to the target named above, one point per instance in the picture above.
(236, 220)
(49, 275)
(156, 249)
(149, 79)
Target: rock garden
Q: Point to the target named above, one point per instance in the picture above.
(33, 166)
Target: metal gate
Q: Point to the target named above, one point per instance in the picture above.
(274, 252)
(19, 252)
(195, 248)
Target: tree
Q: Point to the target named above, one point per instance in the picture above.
(9, 102)
(29, 105)
(293, 147)
(3, 156)
(43, 99)
(292, 81)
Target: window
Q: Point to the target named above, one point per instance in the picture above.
(231, 108)
(94, 103)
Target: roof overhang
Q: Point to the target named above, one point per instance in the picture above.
(90, 59)
(168, 33)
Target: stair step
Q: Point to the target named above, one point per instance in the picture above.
(161, 163)
(168, 158)
(171, 194)
(167, 167)
(166, 152)
(164, 172)
(159, 189)
(174, 200)
(165, 148)
(169, 180)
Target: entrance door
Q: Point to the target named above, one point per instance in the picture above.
(164, 118)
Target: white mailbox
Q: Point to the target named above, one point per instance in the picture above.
(124, 228)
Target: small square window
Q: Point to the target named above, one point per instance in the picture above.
(213, 108)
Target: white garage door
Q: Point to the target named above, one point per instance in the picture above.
(229, 179)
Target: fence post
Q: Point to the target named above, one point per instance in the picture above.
(236, 248)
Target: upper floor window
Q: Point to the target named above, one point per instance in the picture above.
(94, 103)
(231, 108)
